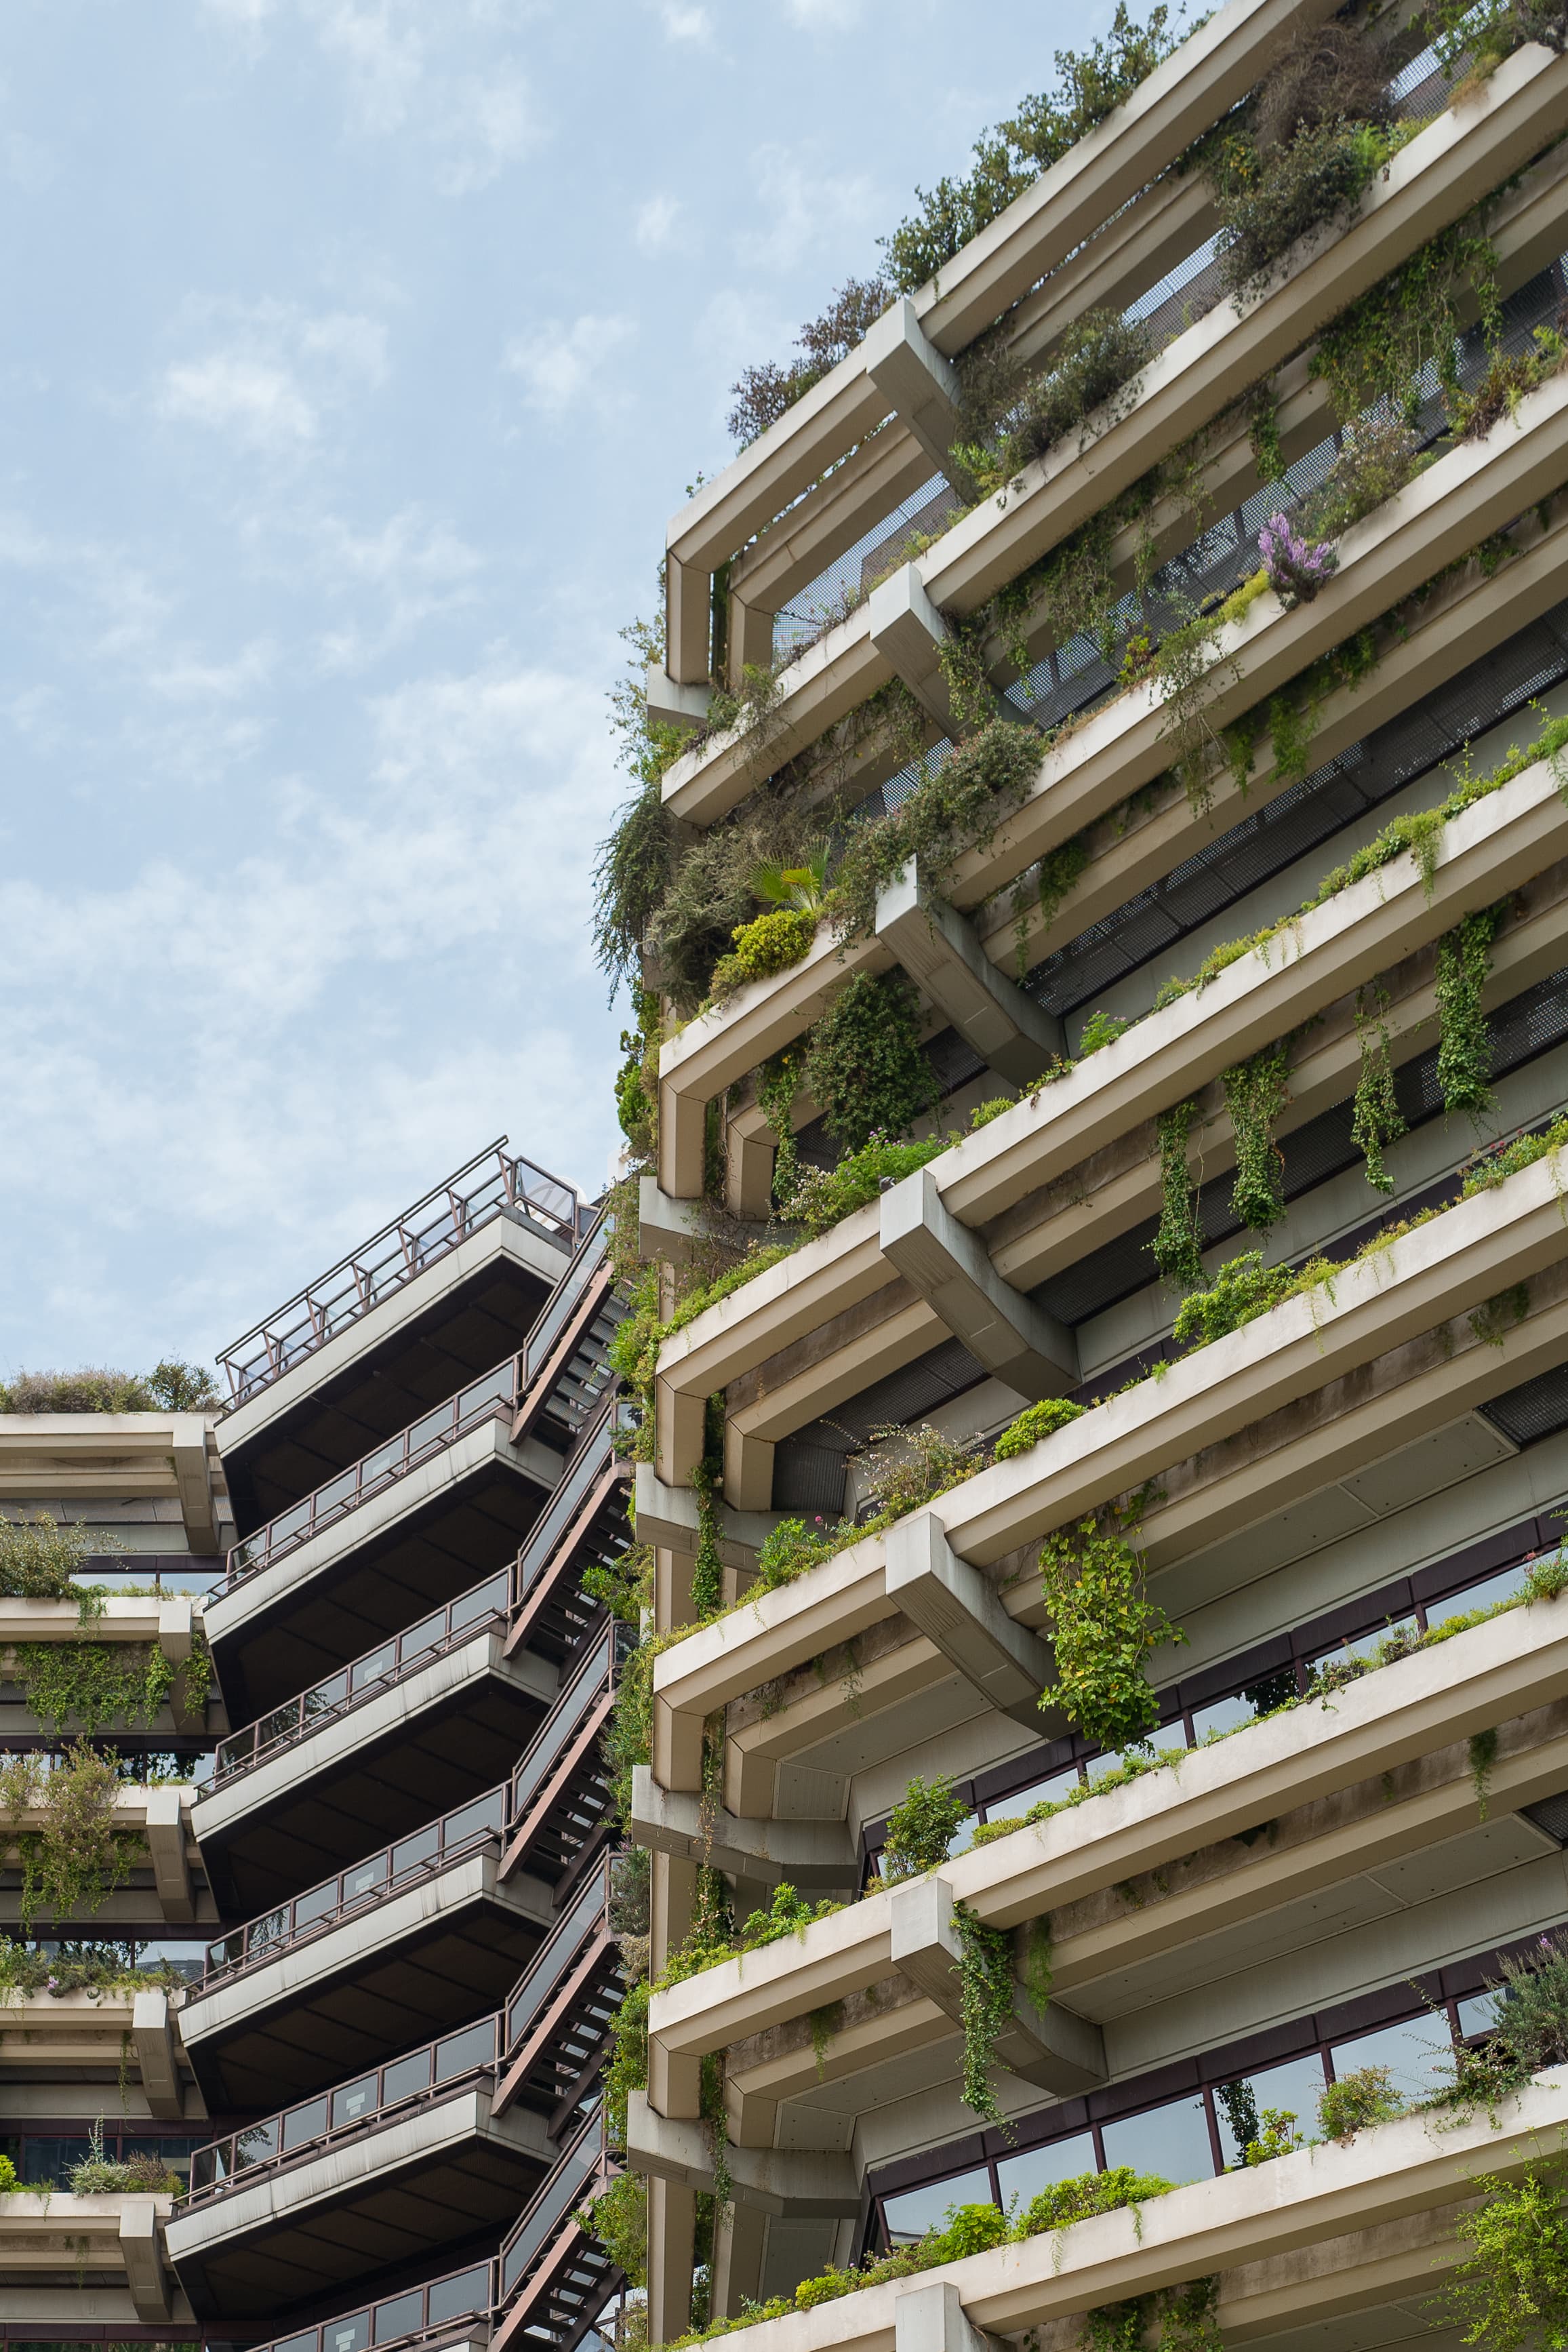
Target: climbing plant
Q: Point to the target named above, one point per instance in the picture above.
(1376, 1119)
(778, 1084)
(1464, 1046)
(863, 1066)
(921, 1827)
(1177, 1244)
(1255, 1094)
(40, 1559)
(1103, 1628)
(90, 1683)
(985, 2004)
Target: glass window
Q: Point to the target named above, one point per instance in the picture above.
(255, 2146)
(351, 2334)
(964, 1835)
(306, 2343)
(1039, 1793)
(465, 2291)
(1364, 1643)
(1222, 1714)
(402, 2316)
(1418, 2054)
(475, 2046)
(910, 2215)
(1479, 2011)
(404, 2077)
(1171, 2141)
(1294, 2089)
(1484, 1595)
(353, 2100)
(1023, 2176)
(303, 2123)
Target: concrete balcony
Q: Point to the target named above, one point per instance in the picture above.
(408, 2162)
(419, 1934)
(552, 2280)
(1269, 2215)
(130, 2038)
(1372, 1791)
(64, 1459)
(400, 1532)
(793, 1325)
(1439, 176)
(1034, 235)
(1228, 1431)
(170, 1623)
(446, 2315)
(1124, 745)
(165, 1886)
(425, 1305)
(56, 2250)
(433, 1717)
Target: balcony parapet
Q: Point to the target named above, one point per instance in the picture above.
(439, 2316)
(113, 2238)
(1465, 1254)
(1474, 490)
(558, 1800)
(493, 1183)
(134, 2032)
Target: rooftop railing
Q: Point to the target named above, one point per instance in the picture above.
(493, 1602)
(492, 1398)
(365, 1886)
(492, 1184)
(419, 2316)
(446, 2066)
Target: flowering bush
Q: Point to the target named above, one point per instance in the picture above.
(1296, 567)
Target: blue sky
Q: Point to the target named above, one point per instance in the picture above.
(355, 354)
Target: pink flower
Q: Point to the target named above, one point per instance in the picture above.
(1296, 567)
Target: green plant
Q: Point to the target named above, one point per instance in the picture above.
(707, 1568)
(864, 1067)
(39, 1560)
(9, 2184)
(821, 1197)
(1464, 1044)
(91, 1684)
(628, 2068)
(777, 1082)
(1276, 2135)
(1268, 202)
(1367, 2096)
(1101, 1029)
(1035, 1423)
(1511, 2290)
(763, 394)
(618, 2218)
(1242, 1290)
(1103, 1628)
(908, 1468)
(1503, 1160)
(1011, 417)
(1088, 2193)
(985, 2005)
(789, 1549)
(78, 1857)
(768, 944)
(1482, 1754)
(1377, 349)
(1255, 1094)
(1177, 1244)
(958, 803)
(920, 1828)
(1376, 1119)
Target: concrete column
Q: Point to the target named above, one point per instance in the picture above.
(688, 622)
(157, 2054)
(166, 1847)
(142, 2251)
(671, 2232)
(933, 2319)
(739, 2237)
(674, 2084)
(672, 1586)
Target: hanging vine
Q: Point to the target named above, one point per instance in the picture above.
(778, 1084)
(79, 1856)
(1103, 1628)
(88, 1685)
(1177, 1244)
(863, 1063)
(1255, 1094)
(1464, 1047)
(986, 2005)
(1376, 1119)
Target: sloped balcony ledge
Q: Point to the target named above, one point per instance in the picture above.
(119, 2237)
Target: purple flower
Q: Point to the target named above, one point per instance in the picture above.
(1296, 567)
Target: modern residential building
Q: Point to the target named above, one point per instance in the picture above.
(376, 2084)
(1183, 736)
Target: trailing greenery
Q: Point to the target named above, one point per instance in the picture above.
(778, 1083)
(957, 805)
(91, 1684)
(708, 1570)
(1376, 1119)
(921, 1828)
(1242, 1290)
(1269, 200)
(823, 1197)
(1036, 1422)
(40, 1560)
(1177, 1244)
(1380, 348)
(77, 1859)
(1183, 2319)
(1103, 1628)
(1496, 1165)
(1011, 417)
(618, 2219)
(864, 1068)
(1511, 2290)
(1464, 1042)
(97, 1968)
(1255, 1094)
(985, 2006)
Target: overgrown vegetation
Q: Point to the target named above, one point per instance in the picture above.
(1103, 1629)
(74, 1861)
(170, 1387)
(921, 1828)
(864, 1068)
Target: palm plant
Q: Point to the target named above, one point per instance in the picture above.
(797, 886)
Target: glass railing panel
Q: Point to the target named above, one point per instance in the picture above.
(351, 2334)
(402, 2314)
(304, 2123)
(452, 2298)
(335, 1491)
(428, 1634)
(316, 1904)
(404, 2077)
(486, 1813)
(369, 1670)
(383, 1461)
(486, 1600)
(570, 1930)
(431, 1428)
(350, 2101)
(424, 1845)
(460, 2053)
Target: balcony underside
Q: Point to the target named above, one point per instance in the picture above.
(440, 2185)
(424, 1748)
(413, 1966)
(305, 1629)
(441, 1331)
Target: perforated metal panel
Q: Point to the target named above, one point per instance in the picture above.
(1536, 1409)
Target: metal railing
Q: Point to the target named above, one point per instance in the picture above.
(445, 2065)
(365, 1886)
(579, 2167)
(416, 2317)
(493, 1602)
(555, 1955)
(492, 1184)
(555, 1735)
(562, 1302)
(492, 1398)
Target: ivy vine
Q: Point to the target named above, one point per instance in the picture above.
(1513, 2289)
(77, 1858)
(863, 1061)
(1376, 1119)
(986, 2006)
(778, 1084)
(91, 1684)
(1103, 1628)
(1177, 1244)
(1464, 1044)
(1255, 1094)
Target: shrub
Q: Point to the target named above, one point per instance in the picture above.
(1010, 418)
(1243, 1288)
(920, 1828)
(909, 1467)
(768, 944)
(39, 1558)
(1035, 1423)
(761, 395)
(822, 1196)
(1379, 456)
(789, 1549)
(9, 2184)
(864, 1067)
(1296, 567)
(1266, 204)
(170, 1387)
(1512, 2290)
(1355, 2101)
(1066, 2201)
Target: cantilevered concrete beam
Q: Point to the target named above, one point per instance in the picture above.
(906, 629)
(956, 1607)
(817, 1857)
(951, 1267)
(672, 1229)
(671, 704)
(165, 1820)
(140, 2236)
(919, 386)
(667, 1516)
(933, 2319)
(157, 2054)
(1053, 2047)
(940, 950)
(795, 2184)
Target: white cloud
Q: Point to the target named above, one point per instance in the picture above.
(260, 403)
(654, 225)
(275, 371)
(683, 22)
(562, 367)
(824, 15)
(806, 211)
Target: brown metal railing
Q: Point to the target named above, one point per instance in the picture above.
(424, 2315)
(490, 1185)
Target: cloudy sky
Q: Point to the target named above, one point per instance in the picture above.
(355, 353)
